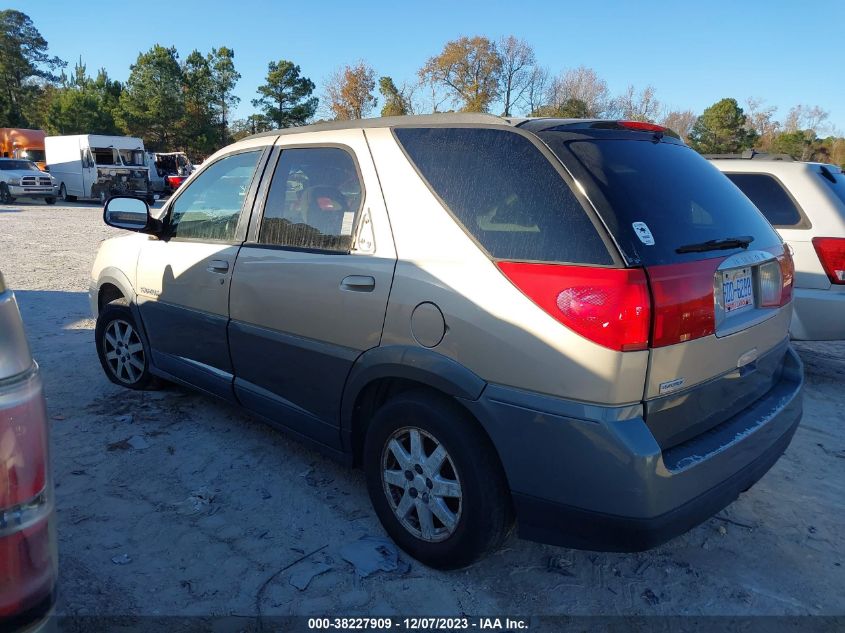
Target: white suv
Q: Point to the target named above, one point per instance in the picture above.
(805, 202)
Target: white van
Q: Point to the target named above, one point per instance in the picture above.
(97, 167)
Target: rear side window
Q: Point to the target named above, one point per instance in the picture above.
(770, 197)
(658, 196)
(313, 201)
(505, 193)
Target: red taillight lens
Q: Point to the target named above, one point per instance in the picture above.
(609, 306)
(27, 540)
(27, 568)
(787, 274)
(831, 252)
(175, 181)
(642, 125)
(684, 307)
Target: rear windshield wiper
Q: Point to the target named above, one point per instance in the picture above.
(716, 245)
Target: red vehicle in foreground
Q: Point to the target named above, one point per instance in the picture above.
(28, 553)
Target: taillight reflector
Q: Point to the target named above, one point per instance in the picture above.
(609, 306)
(831, 252)
(684, 307)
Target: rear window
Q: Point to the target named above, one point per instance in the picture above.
(836, 181)
(770, 197)
(505, 193)
(658, 196)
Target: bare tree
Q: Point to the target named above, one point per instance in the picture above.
(535, 92)
(518, 61)
(681, 121)
(636, 106)
(579, 84)
(803, 117)
(349, 91)
(761, 120)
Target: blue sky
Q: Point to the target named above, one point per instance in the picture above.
(693, 53)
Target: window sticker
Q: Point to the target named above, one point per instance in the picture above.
(644, 233)
(346, 226)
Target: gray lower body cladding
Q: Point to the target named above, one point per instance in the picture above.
(596, 478)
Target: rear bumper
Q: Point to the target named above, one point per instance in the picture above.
(818, 315)
(595, 478)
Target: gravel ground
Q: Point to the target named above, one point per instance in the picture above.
(173, 503)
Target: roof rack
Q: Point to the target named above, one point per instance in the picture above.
(456, 118)
(752, 154)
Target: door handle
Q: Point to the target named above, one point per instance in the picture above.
(218, 266)
(358, 283)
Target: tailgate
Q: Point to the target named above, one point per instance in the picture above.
(719, 277)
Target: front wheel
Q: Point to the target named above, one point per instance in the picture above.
(64, 195)
(120, 349)
(5, 194)
(435, 480)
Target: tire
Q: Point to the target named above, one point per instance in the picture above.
(101, 197)
(63, 194)
(50, 200)
(5, 194)
(122, 353)
(475, 502)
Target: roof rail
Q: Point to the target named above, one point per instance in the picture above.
(456, 118)
(751, 154)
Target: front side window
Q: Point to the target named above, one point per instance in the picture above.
(769, 196)
(209, 207)
(313, 200)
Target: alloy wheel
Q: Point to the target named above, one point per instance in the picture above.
(422, 484)
(124, 351)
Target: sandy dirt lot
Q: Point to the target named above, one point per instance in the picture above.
(133, 539)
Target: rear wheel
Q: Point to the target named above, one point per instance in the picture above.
(435, 481)
(120, 349)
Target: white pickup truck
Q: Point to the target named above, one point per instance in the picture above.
(22, 179)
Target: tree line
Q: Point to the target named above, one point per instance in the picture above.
(187, 104)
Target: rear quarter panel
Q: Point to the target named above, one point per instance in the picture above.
(491, 327)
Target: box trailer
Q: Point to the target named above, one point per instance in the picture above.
(97, 167)
(23, 144)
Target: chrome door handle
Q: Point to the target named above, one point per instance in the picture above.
(358, 283)
(218, 266)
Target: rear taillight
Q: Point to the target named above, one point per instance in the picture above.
(609, 306)
(27, 538)
(23, 448)
(684, 308)
(831, 252)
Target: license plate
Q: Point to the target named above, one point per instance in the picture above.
(737, 289)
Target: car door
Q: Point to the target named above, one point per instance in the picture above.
(184, 278)
(311, 282)
(89, 172)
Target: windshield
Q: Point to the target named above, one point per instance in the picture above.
(104, 156)
(132, 157)
(35, 155)
(658, 196)
(18, 165)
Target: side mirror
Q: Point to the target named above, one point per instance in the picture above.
(131, 214)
